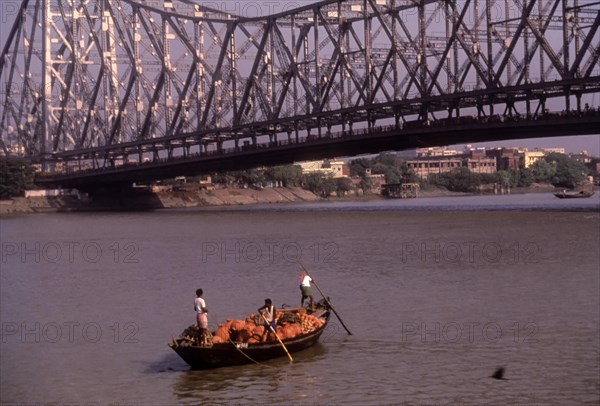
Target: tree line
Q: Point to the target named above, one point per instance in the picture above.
(560, 170)
(16, 176)
(557, 169)
(324, 185)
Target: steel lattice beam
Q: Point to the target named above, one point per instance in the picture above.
(85, 74)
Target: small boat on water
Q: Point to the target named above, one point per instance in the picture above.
(573, 195)
(236, 351)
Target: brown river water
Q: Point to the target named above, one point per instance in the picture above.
(438, 294)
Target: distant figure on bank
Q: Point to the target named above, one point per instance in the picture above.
(306, 290)
(270, 315)
(201, 311)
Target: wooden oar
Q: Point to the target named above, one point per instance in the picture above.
(278, 339)
(326, 300)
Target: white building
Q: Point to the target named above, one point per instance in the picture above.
(337, 169)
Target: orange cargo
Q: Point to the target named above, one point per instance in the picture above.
(222, 332)
(258, 331)
(244, 335)
(238, 325)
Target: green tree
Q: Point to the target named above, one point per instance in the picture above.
(249, 177)
(328, 186)
(457, 180)
(489, 178)
(388, 164)
(343, 186)
(366, 184)
(288, 175)
(222, 178)
(311, 181)
(389, 159)
(319, 184)
(408, 175)
(524, 177)
(16, 176)
(542, 171)
(358, 167)
(505, 178)
(568, 171)
(392, 174)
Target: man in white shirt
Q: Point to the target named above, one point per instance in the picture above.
(270, 316)
(306, 290)
(201, 311)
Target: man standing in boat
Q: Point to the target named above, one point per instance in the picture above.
(201, 311)
(270, 318)
(306, 290)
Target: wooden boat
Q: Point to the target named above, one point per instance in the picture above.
(573, 195)
(238, 353)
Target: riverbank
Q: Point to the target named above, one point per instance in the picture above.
(146, 200)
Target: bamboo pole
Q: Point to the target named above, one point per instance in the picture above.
(276, 335)
(326, 300)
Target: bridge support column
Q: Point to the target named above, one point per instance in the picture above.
(319, 129)
(480, 111)
(578, 98)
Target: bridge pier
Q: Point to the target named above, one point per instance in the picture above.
(121, 197)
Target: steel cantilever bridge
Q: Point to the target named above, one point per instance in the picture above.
(117, 91)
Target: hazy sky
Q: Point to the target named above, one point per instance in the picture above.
(571, 144)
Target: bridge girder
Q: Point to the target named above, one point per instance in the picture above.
(80, 75)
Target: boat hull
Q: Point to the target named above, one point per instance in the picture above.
(578, 195)
(231, 354)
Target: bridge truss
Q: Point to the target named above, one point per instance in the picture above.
(83, 79)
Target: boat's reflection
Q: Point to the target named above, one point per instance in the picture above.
(236, 384)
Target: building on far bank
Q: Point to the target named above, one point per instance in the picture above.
(481, 160)
(337, 169)
(377, 180)
(506, 158)
(556, 150)
(436, 152)
(481, 165)
(582, 157)
(515, 158)
(423, 168)
(476, 164)
(531, 157)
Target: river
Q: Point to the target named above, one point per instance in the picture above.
(438, 294)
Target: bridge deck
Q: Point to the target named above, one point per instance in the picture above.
(340, 144)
